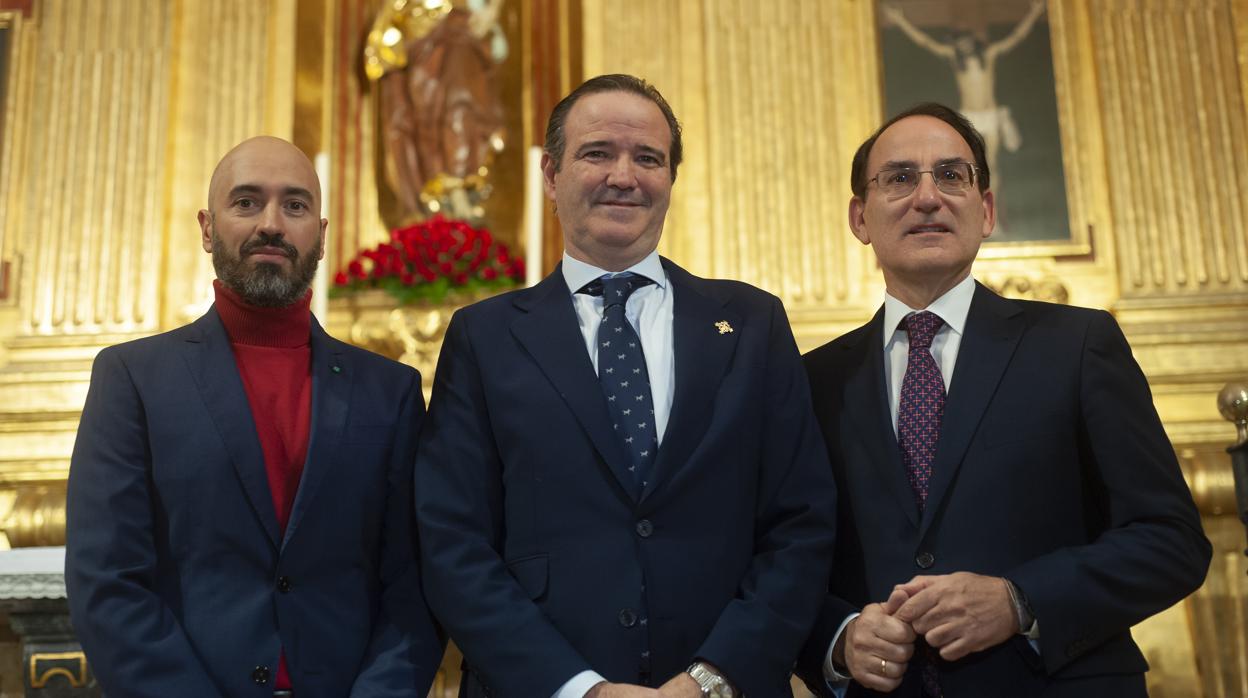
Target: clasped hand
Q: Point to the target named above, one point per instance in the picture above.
(955, 614)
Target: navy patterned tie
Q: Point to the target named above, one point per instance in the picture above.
(922, 404)
(622, 372)
(919, 413)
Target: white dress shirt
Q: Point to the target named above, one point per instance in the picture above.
(952, 307)
(649, 311)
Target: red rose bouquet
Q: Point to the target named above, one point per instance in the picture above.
(431, 260)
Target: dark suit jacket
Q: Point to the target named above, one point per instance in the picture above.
(1052, 470)
(179, 582)
(539, 561)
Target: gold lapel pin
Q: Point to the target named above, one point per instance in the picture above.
(723, 327)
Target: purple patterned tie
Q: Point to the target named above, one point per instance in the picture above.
(922, 404)
(919, 413)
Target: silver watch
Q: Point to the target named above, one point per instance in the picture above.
(712, 684)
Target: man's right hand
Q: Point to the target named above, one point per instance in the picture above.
(621, 690)
(877, 646)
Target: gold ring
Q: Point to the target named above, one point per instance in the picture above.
(883, 666)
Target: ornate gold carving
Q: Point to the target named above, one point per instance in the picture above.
(1039, 288)
(409, 334)
(44, 666)
(36, 515)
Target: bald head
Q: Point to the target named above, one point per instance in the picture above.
(260, 156)
(263, 223)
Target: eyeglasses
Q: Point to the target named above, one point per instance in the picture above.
(951, 178)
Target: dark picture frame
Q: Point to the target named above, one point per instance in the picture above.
(993, 60)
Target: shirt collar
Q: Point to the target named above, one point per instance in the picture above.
(577, 273)
(952, 307)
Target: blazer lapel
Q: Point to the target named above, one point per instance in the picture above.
(211, 362)
(548, 330)
(867, 401)
(332, 377)
(702, 356)
(993, 329)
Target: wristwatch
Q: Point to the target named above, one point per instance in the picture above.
(1022, 610)
(713, 685)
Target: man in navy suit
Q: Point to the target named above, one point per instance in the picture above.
(621, 489)
(1009, 503)
(240, 505)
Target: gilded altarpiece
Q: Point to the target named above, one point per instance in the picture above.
(115, 112)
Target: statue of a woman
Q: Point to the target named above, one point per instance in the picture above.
(441, 117)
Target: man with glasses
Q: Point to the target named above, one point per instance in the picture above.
(1009, 504)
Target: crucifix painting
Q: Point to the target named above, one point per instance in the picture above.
(992, 61)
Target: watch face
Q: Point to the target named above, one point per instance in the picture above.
(713, 685)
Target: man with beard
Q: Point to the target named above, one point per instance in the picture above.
(240, 506)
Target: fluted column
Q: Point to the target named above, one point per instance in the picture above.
(774, 98)
(1180, 203)
(85, 219)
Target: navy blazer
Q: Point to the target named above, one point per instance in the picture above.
(1052, 470)
(539, 560)
(179, 582)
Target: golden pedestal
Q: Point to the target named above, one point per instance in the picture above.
(410, 334)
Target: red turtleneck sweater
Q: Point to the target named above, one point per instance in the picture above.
(274, 356)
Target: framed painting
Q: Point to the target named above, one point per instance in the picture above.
(992, 60)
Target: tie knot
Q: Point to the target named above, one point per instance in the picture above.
(922, 328)
(615, 290)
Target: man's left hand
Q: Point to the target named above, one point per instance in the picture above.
(959, 613)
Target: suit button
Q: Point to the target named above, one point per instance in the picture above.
(260, 675)
(628, 618)
(645, 528)
(925, 560)
(283, 584)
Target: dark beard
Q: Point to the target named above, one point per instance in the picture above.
(266, 285)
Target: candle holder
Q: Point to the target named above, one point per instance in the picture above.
(1233, 404)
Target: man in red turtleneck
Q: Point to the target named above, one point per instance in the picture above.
(240, 499)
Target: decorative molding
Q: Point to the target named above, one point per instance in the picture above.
(32, 586)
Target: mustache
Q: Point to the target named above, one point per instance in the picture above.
(637, 200)
(268, 240)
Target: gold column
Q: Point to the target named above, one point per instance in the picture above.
(1170, 69)
(774, 98)
(85, 216)
(234, 78)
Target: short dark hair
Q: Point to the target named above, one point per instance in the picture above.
(617, 82)
(858, 175)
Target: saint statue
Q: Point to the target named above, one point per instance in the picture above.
(435, 63)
